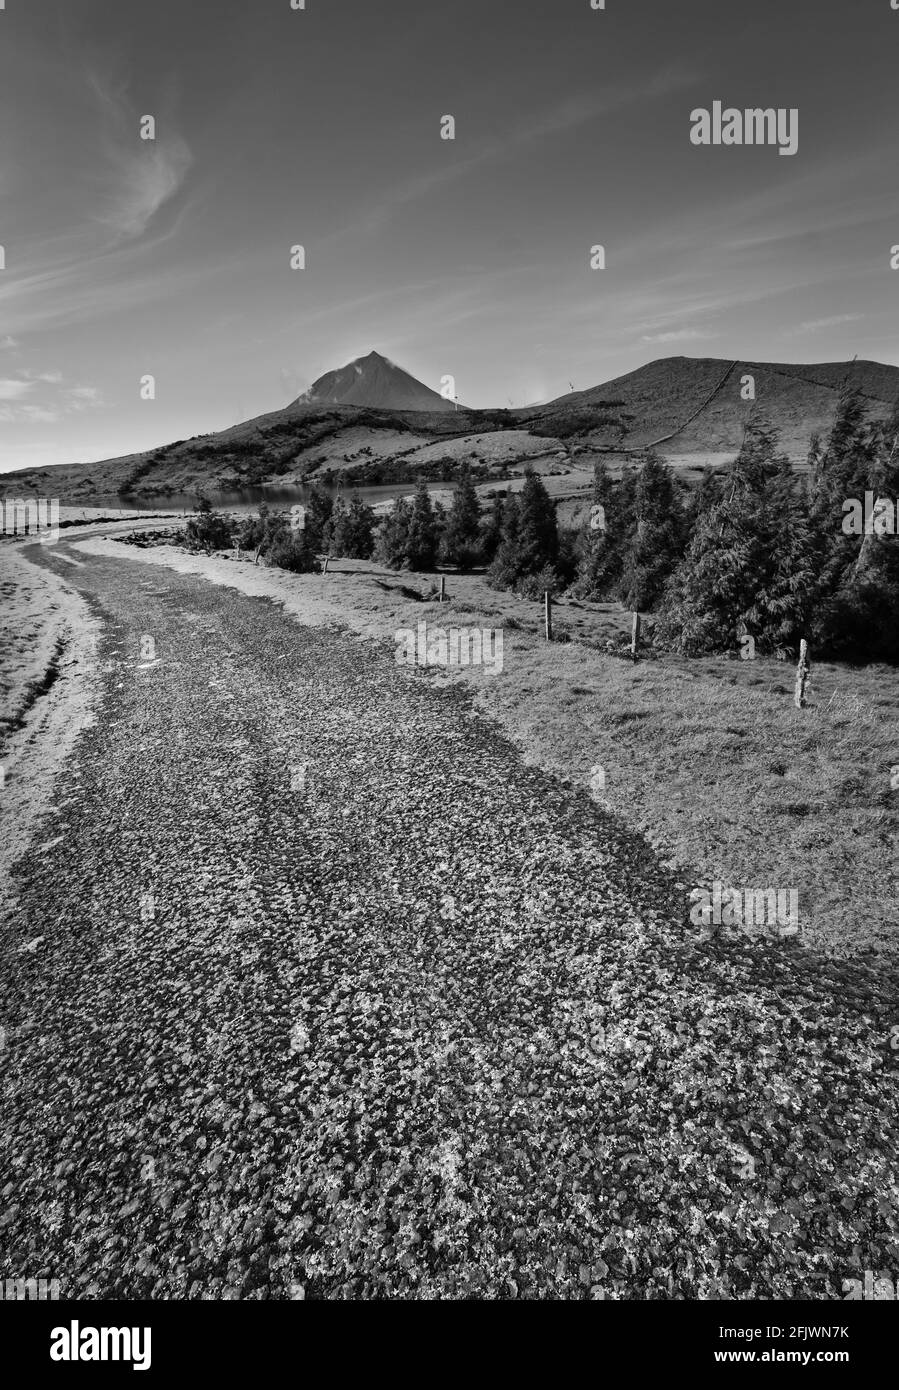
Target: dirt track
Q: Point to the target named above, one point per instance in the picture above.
(314, 990)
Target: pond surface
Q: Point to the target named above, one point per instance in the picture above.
(277, 496)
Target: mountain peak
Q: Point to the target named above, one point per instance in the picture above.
(376, 382)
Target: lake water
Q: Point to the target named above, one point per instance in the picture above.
(279, 498)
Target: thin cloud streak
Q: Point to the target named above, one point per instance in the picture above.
(144, 174)
(574, 111)
(678, 335)
(89, 270)
(819, 325)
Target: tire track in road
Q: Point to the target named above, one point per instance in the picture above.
(336, 997)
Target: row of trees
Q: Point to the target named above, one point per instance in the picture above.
(292, 540)
(421, 534)
(518, 540)
(755, 551)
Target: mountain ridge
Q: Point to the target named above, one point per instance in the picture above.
(798, 398)
(692, 408)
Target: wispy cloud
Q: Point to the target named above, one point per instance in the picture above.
(82, 397)
(39, 414)
(12, 390)
(52, 378)
(819, 325)
(677, 335)
(63, 292)
(559, 119)
(94, 264)
(147, 180)
(53, 399)
(142, 175)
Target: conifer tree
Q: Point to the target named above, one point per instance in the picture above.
(288, 547)
(857, 609)
(352, 533)
(844, 466)
(530, 542)
(656, 543)
(503, 569)
(702, 497)
(424, 531)
(392, 546)
(319, 505)
(459, 544)
(602, 545)
(538, 538)
(332, 527)
(749, 566)
(492, 530)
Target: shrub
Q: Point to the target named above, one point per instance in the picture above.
(271, 534)
(534, 586)
(292, 550)
(207, 529)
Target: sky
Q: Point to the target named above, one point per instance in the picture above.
(321, 127)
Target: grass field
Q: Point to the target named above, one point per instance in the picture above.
(713, 762)
(728, 780)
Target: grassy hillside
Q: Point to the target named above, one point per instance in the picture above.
(306, 443)
(799, 398)
(310, 441)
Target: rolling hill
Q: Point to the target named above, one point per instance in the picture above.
(370, 422)
(798, 398)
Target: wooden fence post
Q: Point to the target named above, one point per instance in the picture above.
(635, 636)
(802, 674)
(325, 566)
(548, 614)
(442, 587)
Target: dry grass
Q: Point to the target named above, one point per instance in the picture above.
(709, 758)
(727, 778)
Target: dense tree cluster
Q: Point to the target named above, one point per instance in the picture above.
(755, 551)
(291, 540)
(349, 531)
(272, 535)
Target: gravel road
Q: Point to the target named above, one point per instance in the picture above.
(315, 990)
